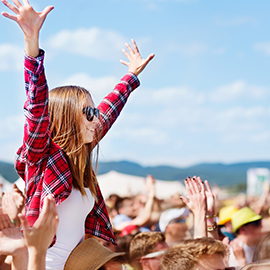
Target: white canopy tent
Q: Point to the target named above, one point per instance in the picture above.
(125, 185)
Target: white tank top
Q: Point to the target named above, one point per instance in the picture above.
(70, 231)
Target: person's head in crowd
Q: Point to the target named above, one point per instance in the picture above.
(103, 242)
(259, 265)
(91, 255)
(195, 254)
(225, 218)
(262, 250)
(126, 206)
(146, 250)
(123, 244)
(173, 224)
(247, 226)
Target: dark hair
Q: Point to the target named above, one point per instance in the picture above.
(119, 259)
(120, 202)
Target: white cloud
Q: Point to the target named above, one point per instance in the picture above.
(236, 90)
(154, 135)
(93, 42)
(179, 94)
(98, 87)
(263, 47)
(11, 57)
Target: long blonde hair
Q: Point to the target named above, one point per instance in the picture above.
(65, 109)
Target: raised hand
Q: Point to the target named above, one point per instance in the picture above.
(13, 203)
(12, 242)
(41, 234)
(196, 200)
(30, 22)
(9, 206)
(28, 19)
(210, 199)
(150, 185)
(136, 63)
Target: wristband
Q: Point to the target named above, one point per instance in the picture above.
(211, 216)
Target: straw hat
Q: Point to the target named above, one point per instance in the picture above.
(243, 216)
(225, 214)
(90, 255)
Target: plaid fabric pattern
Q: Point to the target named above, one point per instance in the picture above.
(42, 164)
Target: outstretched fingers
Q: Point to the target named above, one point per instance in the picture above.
(129, 49)
(17, 3)
(136, 63)
(208, 186)
(46, 11)
(135, 47)
(12, 8)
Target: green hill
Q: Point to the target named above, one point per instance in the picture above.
(8, 171)
(221, 174)
(224, 175)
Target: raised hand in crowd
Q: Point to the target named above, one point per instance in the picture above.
(12, 243)
(238, 251)
(12, 204)
(39, 237)
(211, 212)
(36, 240)
(196, 202)
(201, 201)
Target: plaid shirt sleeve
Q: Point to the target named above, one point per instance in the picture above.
(36, 130)
(97, 222)
(112, 104)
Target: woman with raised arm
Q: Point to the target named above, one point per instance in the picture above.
(61, 130)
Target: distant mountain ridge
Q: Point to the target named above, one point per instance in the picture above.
(221, 174)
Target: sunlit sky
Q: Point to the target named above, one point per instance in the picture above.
(203, 98)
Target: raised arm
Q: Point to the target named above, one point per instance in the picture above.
(112, 104)
(39, 237)
(196, 202)
(29, 21)
(36, 129)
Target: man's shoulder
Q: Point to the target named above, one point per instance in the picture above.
(118, 219)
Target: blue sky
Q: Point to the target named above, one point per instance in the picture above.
(203, 98)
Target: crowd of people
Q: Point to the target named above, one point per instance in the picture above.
(197, 231)
(61, 220)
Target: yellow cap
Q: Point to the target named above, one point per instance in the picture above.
(225, 214)
(243, 216)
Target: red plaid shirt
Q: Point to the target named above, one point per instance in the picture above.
(41, 163)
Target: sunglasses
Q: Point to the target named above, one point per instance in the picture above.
(90, 113)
